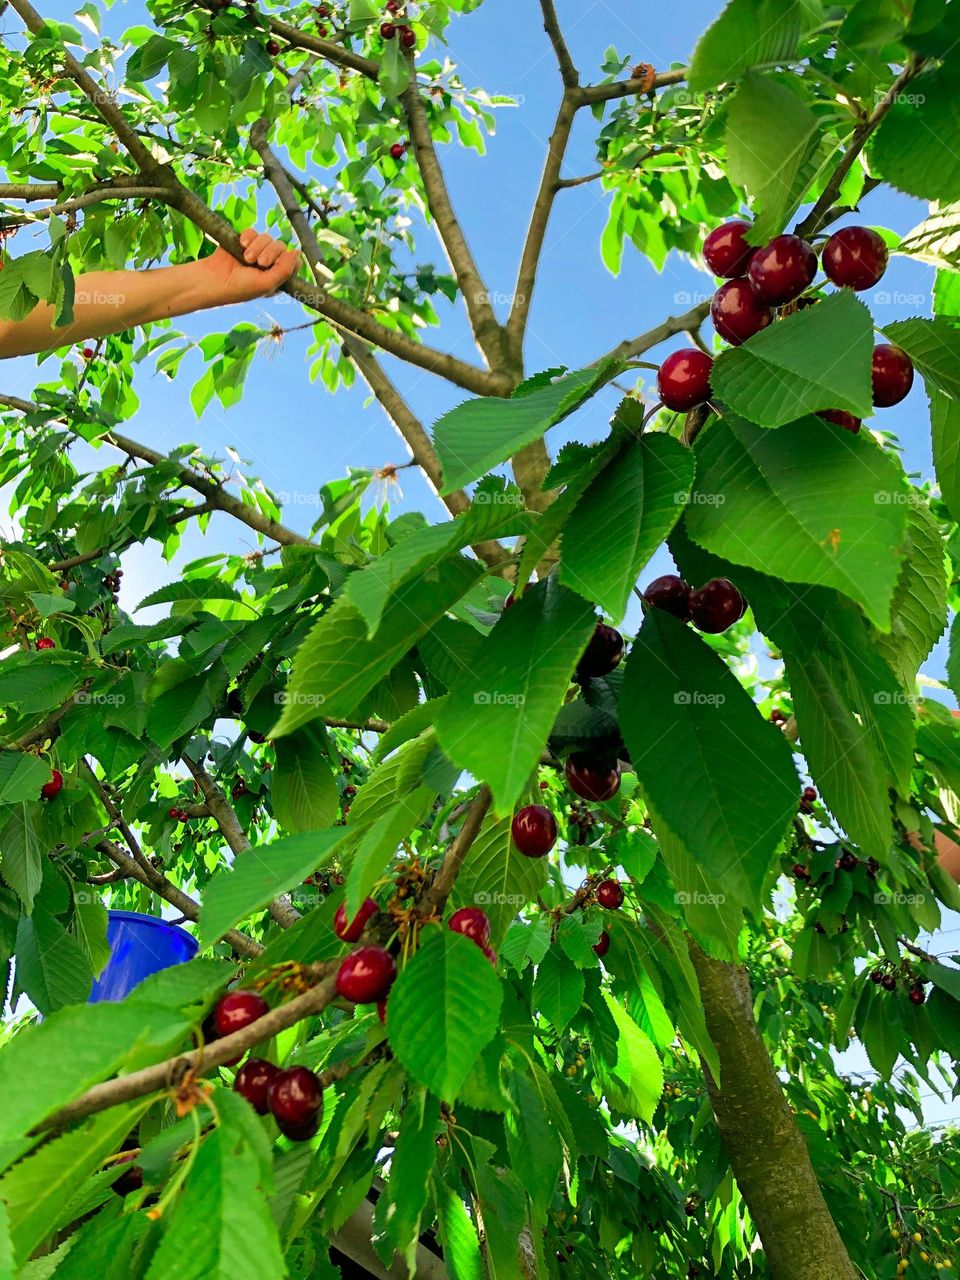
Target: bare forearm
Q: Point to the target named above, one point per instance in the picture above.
(111, 301)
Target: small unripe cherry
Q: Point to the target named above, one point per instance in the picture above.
(350, 931)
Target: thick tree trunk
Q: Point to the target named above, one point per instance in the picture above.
(767, 1152)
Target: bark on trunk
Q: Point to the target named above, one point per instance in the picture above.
(767, 1152)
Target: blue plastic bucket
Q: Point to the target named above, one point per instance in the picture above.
(139, 946)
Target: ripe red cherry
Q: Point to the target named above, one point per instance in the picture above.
(88, 353)
(671, 594)
(876, 977)
(602, 655)
(602, 944)
(809, 794)
(610, 894)
(737, 312)
(408, 38)
(350, 931)
(53, 787)
(388, 30)
(472, 923)
(366, 975)
(800, 872)
(534, 831)
(592, 779)
(840, 418)
(491, 955)
(726, 252)
(398, 151)
(683, 379)
(917, 995)
(888, 982)
(46, 643)
(273, 48)
(855, 257)
(782, 269)
(237, 1009)
(892, 376)
(295, 1097)
(252, 1082)
(716, 606)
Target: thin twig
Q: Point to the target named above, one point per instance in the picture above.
(436, 896)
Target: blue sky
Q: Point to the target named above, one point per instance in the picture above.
(297, 437)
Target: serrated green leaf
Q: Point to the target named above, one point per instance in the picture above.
(22, 853)
(558, 989)
(816, 359)
(912, 149)
(496, 721)
(302, 788)
(936, 239)
(443, 1009)
(622, 518)
(413, 1161)
(633, 1083)
(748, 33)
(52, 967)
(755, 506)
(458, 1235)
(479, 434)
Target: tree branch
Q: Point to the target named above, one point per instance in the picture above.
(162, 1075)
(551, 24)
(817, 216)
(281, 908)
(97, 196)
(435, 898)
(591, 95)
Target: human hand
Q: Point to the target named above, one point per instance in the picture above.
(270, 265)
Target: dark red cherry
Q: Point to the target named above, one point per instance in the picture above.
(892, 376)
(610, 894)
(602, 944)
(398, 151)
(388, 30)
(888, 982)
(716, 606)
(131, 1179)
(295, 1097)
(602, 655)
(683, 380)
(534, 831)
(725, 250)
(408, 38)
(237, 1009)
(366, 975)
(737, 312)
(590, 778)
(491, 955)
(472, 923)
(855, 257)
(917, 994)
(350, 931)
(252, 1082)
(273, 48)
(876, 977)
(782, 270)
(53, 787)
(671, 594)
(45, 643)
(800, 872)
(300, 1132)
(809, 794)
(840, 418)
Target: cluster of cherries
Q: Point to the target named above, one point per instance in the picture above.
(178, 815)
(713, 609)
(885, 978)
(757, 282)
(392, 29)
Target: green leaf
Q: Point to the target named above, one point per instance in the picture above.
(33, 684)
(89, 925)
(936, 240)
(708, 735)
(633, 1083)
(21, 777)
(36, 1189)
(443, 1009)
(479, 434)
(818, 358)
(458, 1235)
(496, 720)
(497, 877)
(622, 518)
(379, 843)
(772, 139)
(302, 788)
(913, 147)
(920, 604)
(748, 33)
(52, 967)
(337, 664)
(22, 852)
(879, 1032)
(221, 1227)
(558, 990)
(103, 1248)
(934, 347)
(258, 875)
(945, 431)
(414, 1158)
(533, 1141)
(754, 505)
